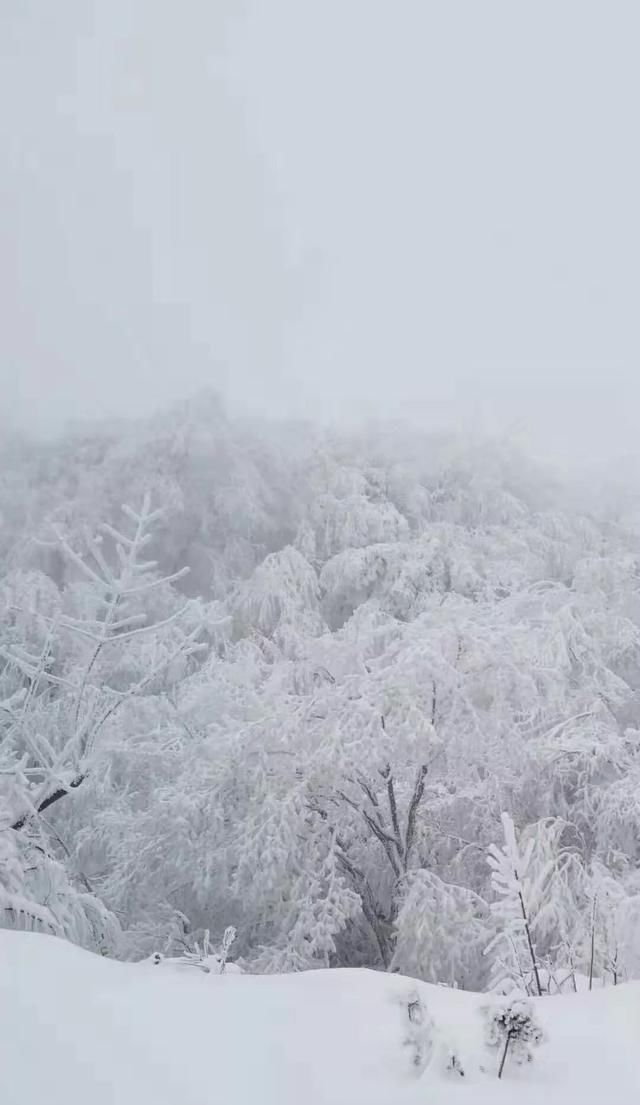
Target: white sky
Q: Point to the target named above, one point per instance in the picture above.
(337, 207)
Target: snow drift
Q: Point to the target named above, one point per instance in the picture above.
(77, 1028)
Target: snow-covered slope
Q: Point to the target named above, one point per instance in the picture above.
(78, 1029)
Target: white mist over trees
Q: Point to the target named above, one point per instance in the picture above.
(386, 640)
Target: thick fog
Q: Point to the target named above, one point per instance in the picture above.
(346, 208)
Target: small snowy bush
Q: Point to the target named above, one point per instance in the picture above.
(204, 957)
(420, 1030)
(512, 1028)
(425, 1041)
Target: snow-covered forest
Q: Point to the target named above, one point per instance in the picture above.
(371, 697)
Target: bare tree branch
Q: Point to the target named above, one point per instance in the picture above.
(393, 806)
(48, 801)
(414, 805)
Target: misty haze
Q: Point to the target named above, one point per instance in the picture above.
(319, 552)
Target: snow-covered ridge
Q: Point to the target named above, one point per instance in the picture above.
(126, 1034)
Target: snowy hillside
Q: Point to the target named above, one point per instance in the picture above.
(288, 680)
(127, 1034)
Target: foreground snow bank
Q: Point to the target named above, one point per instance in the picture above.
(75, 1028)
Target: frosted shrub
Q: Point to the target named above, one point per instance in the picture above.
(203, 956)
(419, 1038)
(511, 1028)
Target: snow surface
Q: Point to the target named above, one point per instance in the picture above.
(76, 1029)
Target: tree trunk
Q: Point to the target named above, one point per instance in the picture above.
(504, 1054)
